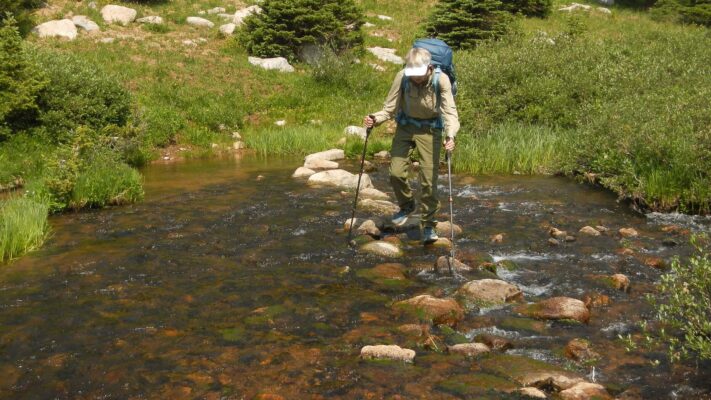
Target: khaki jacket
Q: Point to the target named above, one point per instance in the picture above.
(422, 103)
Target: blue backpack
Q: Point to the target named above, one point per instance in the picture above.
(442, 60)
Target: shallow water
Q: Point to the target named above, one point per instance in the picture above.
(225, 285)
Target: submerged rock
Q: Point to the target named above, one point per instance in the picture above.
(585, 391)
(620, 282)
(557, 233)
(529, 372)
(628, 232)
(443, 264)
(469, 349)
(387, 352)
(557, 308)
(382, 249)
(589, 230)
(494, 342)
(496, 239)
(441, 311)
(340, 178)
(490, 292)
(580, 350)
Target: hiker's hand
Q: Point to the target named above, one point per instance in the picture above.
(449, 143)
(368, 122)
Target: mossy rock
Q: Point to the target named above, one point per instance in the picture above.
(236, 334)
(523, 325)
(507, 265)
(515, 367)
(452, 337)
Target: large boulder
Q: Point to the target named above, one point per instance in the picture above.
(201, 22)
(440, 311)
(63, 28)
(118, 14)
(379, 207)
(83, 22)
(240, 15)
(330, 155)
(386, 55)
(387, 352)
(557, 308)
(277, 63)
(490, 292)
(383, 249)
(339, 178)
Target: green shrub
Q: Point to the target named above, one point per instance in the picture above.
(78, 94)
(465, 23)
(20, 82)
(288, 27)
(529, 8)
(103, 181)
(23, 226)
(684, 313)
(644, 134)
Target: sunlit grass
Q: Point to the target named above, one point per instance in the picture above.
(23, 226)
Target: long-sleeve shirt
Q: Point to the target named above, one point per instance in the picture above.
(421, 102)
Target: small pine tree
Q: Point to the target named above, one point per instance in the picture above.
(286, 27)
(20, 81)
(529, 8)
(463, 23)
(21, 11)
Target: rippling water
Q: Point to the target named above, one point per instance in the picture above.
(229, 282)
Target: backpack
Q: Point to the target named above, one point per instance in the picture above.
(442, 61)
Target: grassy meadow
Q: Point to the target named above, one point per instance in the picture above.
(619, 97)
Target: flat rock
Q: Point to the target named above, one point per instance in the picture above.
(152, 19)
(63, 28)
(378, 207)
(389, 271)
(240, 15)
(276, 63)
(441, 311)
(303, 172)
(557, 308)
(532, 392)
(445, 229)
(387, 352)
(490, 292)
(469, 349)
(83, 22)
(318, 163)
(385, 18)
(387, 55)
(227, 29)
(330, 155)
(628, 232)
(201, 22)
(382, 249)
(358, 131)
(585, 391)
(575, 6)
(118, 14)
(339, 178)
(589, 230)
(216, 10)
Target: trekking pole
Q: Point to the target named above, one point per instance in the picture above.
(360, 175)
(448, 155)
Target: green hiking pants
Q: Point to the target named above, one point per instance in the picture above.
(428, 142)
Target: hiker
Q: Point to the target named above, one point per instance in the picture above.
(421, 125)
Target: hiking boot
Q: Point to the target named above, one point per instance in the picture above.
(429, 235)
(400, 217)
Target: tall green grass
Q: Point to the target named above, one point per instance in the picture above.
(103, 184)
(511, 148)
(23, 226)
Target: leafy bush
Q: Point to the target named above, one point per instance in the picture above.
(20, 81)
(23, 226)
(78, 94)
(684, 11)
(685, 312)
(464, 23)
(644, 133)
(287, 28)
(529, 8)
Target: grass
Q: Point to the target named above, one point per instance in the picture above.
(23, 226)
(102, 184)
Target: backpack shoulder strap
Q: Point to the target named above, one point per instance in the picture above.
(435, 83)
(403, 92)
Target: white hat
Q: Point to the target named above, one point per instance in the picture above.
(416, 70)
